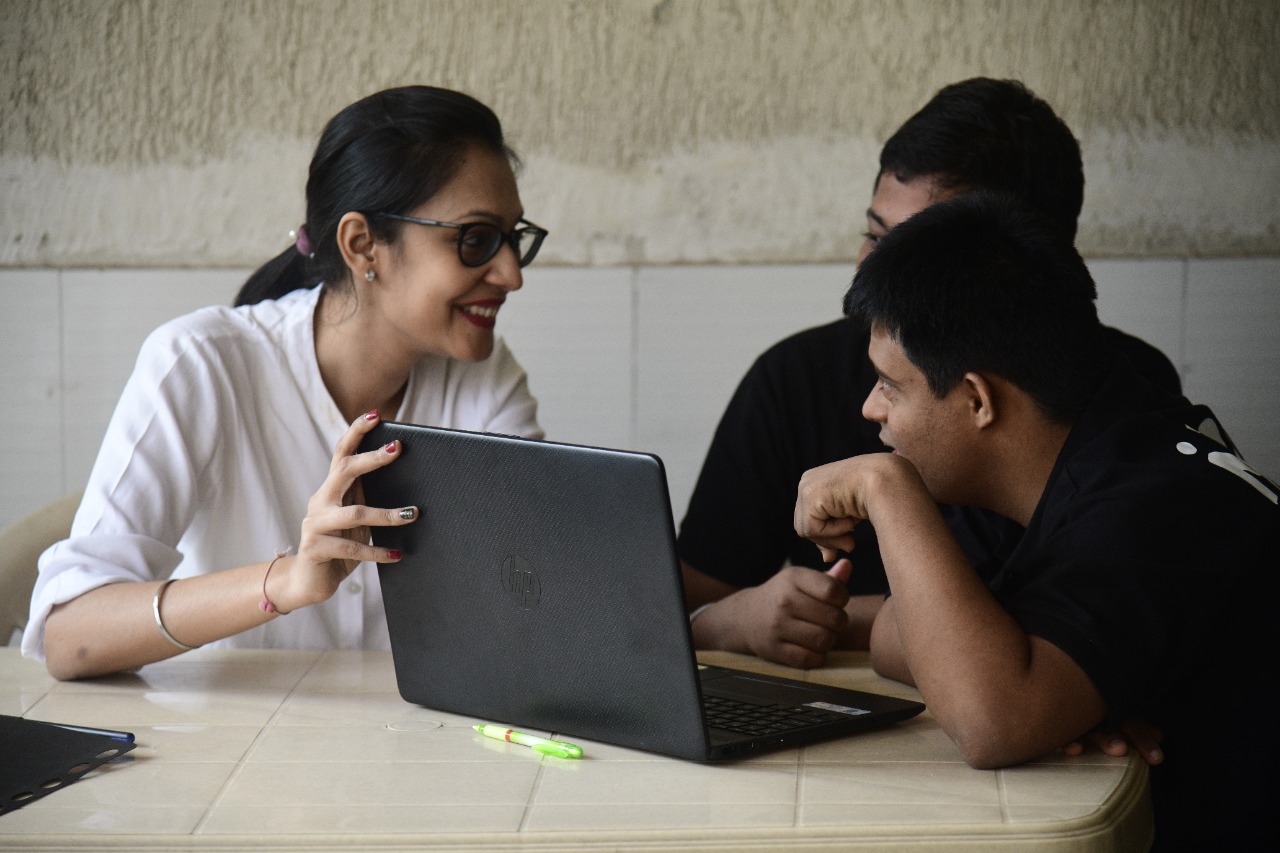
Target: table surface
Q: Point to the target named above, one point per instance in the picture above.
(254, 750)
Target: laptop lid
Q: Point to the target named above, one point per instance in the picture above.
(540, 588)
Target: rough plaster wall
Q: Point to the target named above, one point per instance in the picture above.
(177, 132)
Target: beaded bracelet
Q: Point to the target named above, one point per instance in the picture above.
(266, 605)
(155, 611)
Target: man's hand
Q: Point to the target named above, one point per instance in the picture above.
(832, 499)
(1136, 733)
(794, 618)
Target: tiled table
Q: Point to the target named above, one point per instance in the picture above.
(315, 750)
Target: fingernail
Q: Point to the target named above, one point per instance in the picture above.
(390, 448)
(409, 513)
(371, 416)
(394, 554)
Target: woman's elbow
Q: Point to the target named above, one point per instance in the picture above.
(62, 662)
(60, 671)
(66, 656)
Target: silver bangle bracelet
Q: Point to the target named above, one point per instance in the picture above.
(698, 612)
(155, 611)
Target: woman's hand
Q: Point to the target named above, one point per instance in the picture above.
(111, 628)
(336, 530)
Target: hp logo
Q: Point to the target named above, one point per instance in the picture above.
(521, 582)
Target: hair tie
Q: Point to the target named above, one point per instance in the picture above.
(302, 242)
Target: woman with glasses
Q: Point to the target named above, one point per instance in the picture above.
(225, 506)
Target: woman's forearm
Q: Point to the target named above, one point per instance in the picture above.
(113, 628)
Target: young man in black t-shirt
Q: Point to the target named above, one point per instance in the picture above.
(1143, 575)
(798, 405)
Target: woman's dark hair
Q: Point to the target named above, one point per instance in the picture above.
(986, 134)
(387, 153)
(984, 283)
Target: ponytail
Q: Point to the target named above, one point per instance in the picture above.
(283, 274)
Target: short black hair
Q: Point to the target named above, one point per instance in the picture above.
(987, 134)
(984, 283)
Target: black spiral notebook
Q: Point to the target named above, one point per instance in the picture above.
(38, 758)
(540, 587)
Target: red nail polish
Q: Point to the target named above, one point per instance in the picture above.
(371, 416)
(390, 448)
(394, 554)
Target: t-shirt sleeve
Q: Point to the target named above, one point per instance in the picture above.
(1151, 569)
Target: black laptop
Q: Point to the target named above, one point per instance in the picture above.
(540, 588)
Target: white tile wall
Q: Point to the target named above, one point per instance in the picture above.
(1233, 352)
(700, 328)
(636, 358)
(1147, 299)
(67, 344)
(31, 458)
(573, 330)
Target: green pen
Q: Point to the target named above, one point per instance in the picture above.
(554, 748)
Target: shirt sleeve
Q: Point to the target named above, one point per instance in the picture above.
(1148, 569)
(141, 493)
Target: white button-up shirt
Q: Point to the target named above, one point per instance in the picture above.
(223, 433)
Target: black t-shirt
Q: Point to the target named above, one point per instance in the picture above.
(798, 407)
(1152, 560)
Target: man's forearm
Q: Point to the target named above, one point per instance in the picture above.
(887, 658)
(701, 588)
(1003, 696)
(862, 610)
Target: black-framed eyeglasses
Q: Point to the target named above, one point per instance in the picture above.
(478, 242)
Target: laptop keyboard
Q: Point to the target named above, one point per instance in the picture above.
(758, 720)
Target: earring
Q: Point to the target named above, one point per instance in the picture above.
(370, 275)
